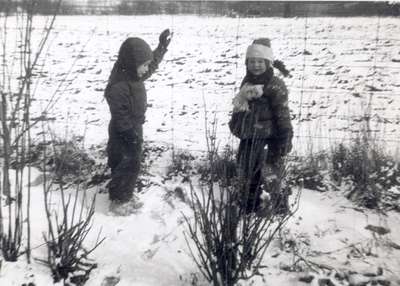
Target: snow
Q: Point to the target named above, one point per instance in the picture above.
(347, 60)
(148, 248)
(194, 85)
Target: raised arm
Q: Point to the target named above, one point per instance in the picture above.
(158, 53)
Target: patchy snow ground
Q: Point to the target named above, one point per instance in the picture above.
(346, 61)
(148, 248)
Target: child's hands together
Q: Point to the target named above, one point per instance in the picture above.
(240, 104)
(246, 93)
(251, 91)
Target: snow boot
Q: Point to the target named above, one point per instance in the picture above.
(119, 208)
(264, 208)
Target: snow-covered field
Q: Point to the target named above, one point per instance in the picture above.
(339, 65)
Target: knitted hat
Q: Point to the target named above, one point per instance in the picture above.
(133, 53)
(260, 48)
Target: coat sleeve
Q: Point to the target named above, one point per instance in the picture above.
(117, 98)
(281, 113)
(158, 55)
(236, 123)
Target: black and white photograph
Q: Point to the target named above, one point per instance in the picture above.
(195, 143)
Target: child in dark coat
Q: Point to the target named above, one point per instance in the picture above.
(261, 120)
(126, 96)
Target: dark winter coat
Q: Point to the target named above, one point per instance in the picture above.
(127, 100)
(268, 116)
(125, 92)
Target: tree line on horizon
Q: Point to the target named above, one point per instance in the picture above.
(223, 8)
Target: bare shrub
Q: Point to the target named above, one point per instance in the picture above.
(19, 61)
(68, 229)
(227, 242)
(67, 257)
(230, 245)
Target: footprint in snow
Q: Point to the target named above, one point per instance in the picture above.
(149, 253)
(110, 281)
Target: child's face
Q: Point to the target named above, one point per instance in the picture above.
(256, 66)
(143, 69)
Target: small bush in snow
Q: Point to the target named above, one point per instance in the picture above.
(65, 158)
(69, 159)
(371, 172)
(309, 172)
(182, 165)
(67, 257)
(69, 225)
(224, 168)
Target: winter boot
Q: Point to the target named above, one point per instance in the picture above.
(264, 209)
(119, 208)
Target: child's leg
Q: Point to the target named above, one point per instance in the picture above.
(114, 153)
(250, 160)
(273, 173)
(125, 171)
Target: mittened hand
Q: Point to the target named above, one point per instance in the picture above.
(165, 38)
(250, 91)
(240, 104)
(256, 91)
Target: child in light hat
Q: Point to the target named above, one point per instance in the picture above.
(261, 120)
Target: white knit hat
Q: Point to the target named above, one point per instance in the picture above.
(260, 48)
